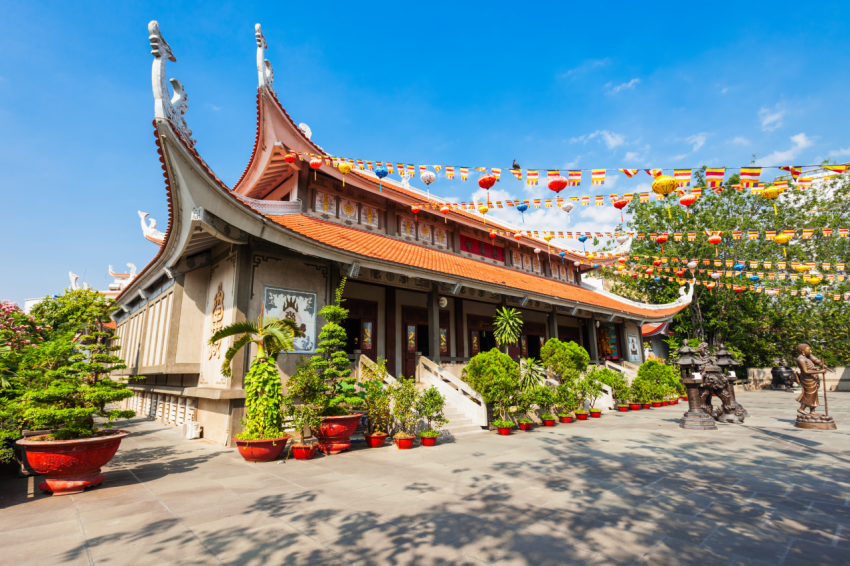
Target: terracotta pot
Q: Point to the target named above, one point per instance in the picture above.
(70, 466)
(375, 440)
(304, 452)
(565, 419)
(525, 426)
(404, 443)
(656, 404)
(623, 409)
(581, 416)
(505, 431)
(261, 450)
(334, 433)
(595, 415)
(634, 406)
(428, 440)
(647, 405)
(549, 422)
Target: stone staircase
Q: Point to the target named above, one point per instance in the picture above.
(459, 423)
(465, 410)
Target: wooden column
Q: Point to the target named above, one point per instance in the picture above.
(389, 308)
(460, 335)
(434, 322)
(553, 323)
(592, 350)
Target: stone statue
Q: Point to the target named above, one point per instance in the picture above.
(715, 383)
(810, 368)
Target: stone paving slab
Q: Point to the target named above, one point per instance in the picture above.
(627, 488)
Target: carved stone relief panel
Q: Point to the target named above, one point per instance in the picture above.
(348, 210)
(426, 233)
(325, 203)
(407, 227)
(369, 216)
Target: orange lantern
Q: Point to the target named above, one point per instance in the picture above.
(714, 240)
(415, 210)
(290, 158)
(620, 205)
(680, 272)
(557, 184)
(518, 237)
(687, 200)
(486, 182)
(657, 262)
(315, 163)
(492, 234)
(661, 239)
(445, 210)
(622, 260)
(649, 270)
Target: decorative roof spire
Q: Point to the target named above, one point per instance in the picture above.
(264, 67)
(167, 108)
(149, 230)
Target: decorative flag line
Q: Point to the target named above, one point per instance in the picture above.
(730, 263)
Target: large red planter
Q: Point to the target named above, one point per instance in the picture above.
(634, 406)
(70, 466)
(375, 440)
(302, 452)
(428, 440)
(549, 422)
(505, 431)
(664, 403)
(623, 409)
(595, 415)
(581, 416)
(404, 443)
(525, 426)
(334, 433)
(647, 405)
(656, 405)
(261, 450)
(565, 419)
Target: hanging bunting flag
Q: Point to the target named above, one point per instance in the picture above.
(753, 234)
(600, 201)
(629, 172)
(369, 166)
(438, 168)
(552, 174)
(770, 234)
(531, 177)
(655, 173)
(683, 177)
(644, 197)
(843, 232)
(450, 172)
(574, 178)
(807, 233)
(585, 201)
(837, 168)
(464, 173)
(629, 196)
(677, 237)
(422, 169)
(400, 168)
(714, 177)
(795, 171)
(597, 177)
(497, 172)
(389, 168)
(750, 176)
(517, 173)
(827, 232)
(736, 234)
(410, 171)
(360, 164)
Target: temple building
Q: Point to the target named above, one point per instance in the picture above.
(422, 289)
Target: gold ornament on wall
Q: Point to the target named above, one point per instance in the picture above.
(217, 318)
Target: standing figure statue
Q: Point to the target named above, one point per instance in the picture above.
(810, 368)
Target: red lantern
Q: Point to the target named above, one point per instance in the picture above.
(649, 270)
(680, 272)
(415, 210)
(620, 205)
(518, 237)
(738, 289)
(557, 184)
(661, 239)
(634, 275)
(687, 200)
(445, 210)
(622, 260)
(315, 163)
(657, 262)
(714, 240)
(711, 285)
(492, 234)
(290, 158)
(486, 181)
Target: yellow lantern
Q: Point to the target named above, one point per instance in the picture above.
(783, 239)
(771, 193)
(548, 238)
(484, 209)
(663, 186)
(591, 256)
(620, 267)
(802, 268)
(344, 168)
(814, 280)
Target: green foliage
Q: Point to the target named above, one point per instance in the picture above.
(763, 328)
(587, 389)
(376, 397)
(501, 423)
(430, 406)
(655, 381)
(495, 376)
(613, 379)
(272, 336)
(305, 398)
(531, 374)
(545, 398)
(507, 326)
(263, 400)
(404, 397)
(565, 397)
(566, 360)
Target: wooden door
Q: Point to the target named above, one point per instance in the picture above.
(414, 325)
(569, 334)
(362, 326)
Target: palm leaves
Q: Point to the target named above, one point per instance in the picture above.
(508, 326)
(531, 374)
(271, 335)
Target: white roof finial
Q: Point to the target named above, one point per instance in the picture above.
(150, 231)
(265, 73)
(165, 107)
(73, 277)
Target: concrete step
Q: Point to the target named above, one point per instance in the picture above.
(458, 430)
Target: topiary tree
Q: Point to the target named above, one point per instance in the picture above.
(565, 396)
(566, 360)
(495, 376)
(430, 406)
(660, 378)
(404, 396)
(507, 326)
(545, 398)
(613, 379)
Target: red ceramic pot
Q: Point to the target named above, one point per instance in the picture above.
(664, 403)
(375, 440)
(70, 466)
(675, 401)
(549, 422)
(505, 431)
(623, 409)
(596, 415)
(428, 440)
(565, 419)
(581, 416)
(647, 405)
(261, 450)
(404, 443)
(655, 404)
(634, 406)
(525, 426)
(334, 433)
(304, 452)
(683, 398)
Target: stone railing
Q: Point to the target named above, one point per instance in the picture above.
(458, 394)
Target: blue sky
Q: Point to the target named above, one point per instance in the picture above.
(478, 84)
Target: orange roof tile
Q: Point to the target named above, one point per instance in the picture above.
(389, 249)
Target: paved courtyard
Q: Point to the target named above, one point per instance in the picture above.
(626, 488)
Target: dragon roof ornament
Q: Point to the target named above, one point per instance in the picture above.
(265, 73)
(173, 108)
(149, 230)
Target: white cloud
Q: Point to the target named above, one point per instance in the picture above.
(800, 141)
(572, 163)
(839, 152)
(587, 65)
(771, 120)
(739, 140)
(611, 139)
(213, 107)
(680, 156)
(625, 86)
(697, 140)
(632, 156)
(724, 90)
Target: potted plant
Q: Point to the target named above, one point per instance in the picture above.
(430, 406)
(545, 399)
(623, 407)
(404, 396)
(522, 404)
(566, 399)
(55, 370)
(495, 376)
(656, 403)
(504, 427)
(565, 360)
(641, 391)
(615, 380)
(582, 414)
(335, 394)
(507, 326)
(304, 403)
(262, 438)
(593, 390)
(634, 406)
(376, 402)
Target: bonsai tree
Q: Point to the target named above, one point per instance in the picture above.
(659, 378)
(545, 398)
(304, 399)
(565, 397)
(531, 374)
(495, 376)
(59, 379)
(404, 397)
(587, 390)
(523, 401)
(429, 406)
(263, 396)
(641, 390)
(615, 380)
(376, 397)
(507, 326)
(566, 360)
